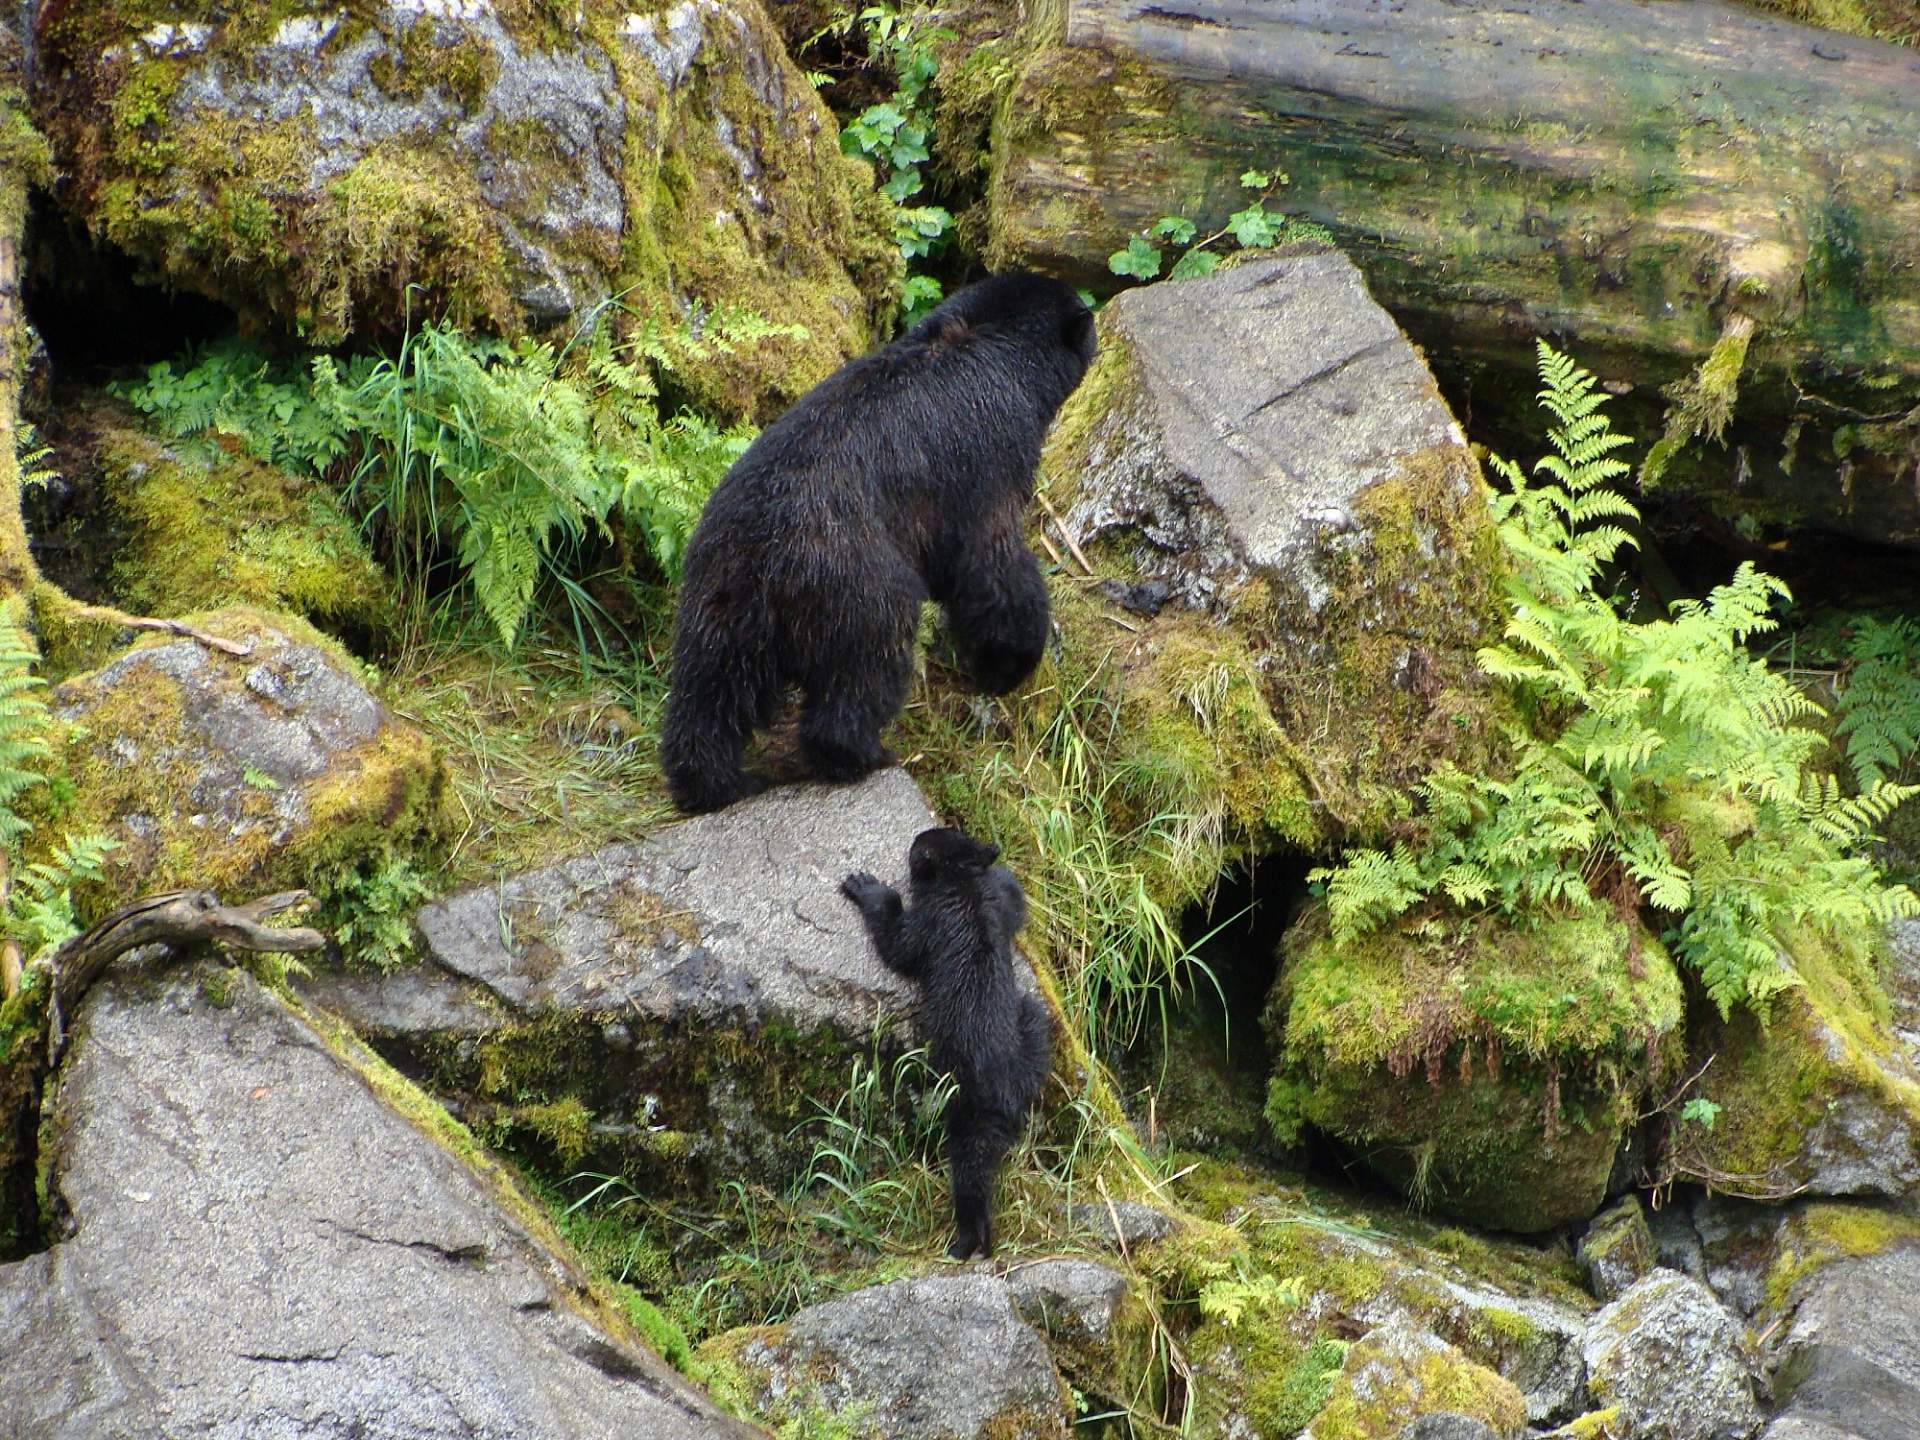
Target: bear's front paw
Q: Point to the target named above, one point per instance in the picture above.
(863, 889)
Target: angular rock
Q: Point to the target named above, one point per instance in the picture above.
(1121, 1224)
(242, 774)
(519, 168)
(1449, 1426)
(1399, 1373)
(1675, 1364)
(699, 992)
(1844, 1308)
(941, 1358)
(1098, 1333)
(1267, 445)
(256, 1243)
(1617, 1248)
(1676, 1243)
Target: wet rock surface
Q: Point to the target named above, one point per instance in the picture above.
(255, 1243)
(1671, 1359)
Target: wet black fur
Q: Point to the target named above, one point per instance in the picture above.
(905, 475)
(955, 940)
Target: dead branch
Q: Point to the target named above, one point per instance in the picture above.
(107, 615)
(177, 918)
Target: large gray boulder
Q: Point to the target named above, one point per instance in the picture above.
(941, 1358)
(256, 1242)
(1675, 1364)
(305, 166)
(698, 992)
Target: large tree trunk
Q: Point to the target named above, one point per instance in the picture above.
(1640, 181)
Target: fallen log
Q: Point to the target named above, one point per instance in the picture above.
(1652, 185)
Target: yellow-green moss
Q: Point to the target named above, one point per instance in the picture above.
(206, 527)
(132, 755)
(1821, 1234)
(1895, 20)
(1380, 1390)
(1828, 1040)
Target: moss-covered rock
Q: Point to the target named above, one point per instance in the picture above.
(1823, 1098)
(272, 770)
(1490, 1072)
(1398, 1373)
(1281, 1279)
(199, 525)
(1675, 1365)
(1264, 449)
(1617, 1248)
(517, 163)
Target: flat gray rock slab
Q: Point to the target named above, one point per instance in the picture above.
(945, 1357)
(1270, 394)
(737, 914)
(261, 1247)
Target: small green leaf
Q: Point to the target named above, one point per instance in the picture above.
(1194, 264)
(1255, 179)
(259, 779)
(1176, 228)
(1139, 260)
(1702, 1111)
(1253, 227)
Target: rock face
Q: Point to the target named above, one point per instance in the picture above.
(697, 992)
(1267, 447)
(1845, 1315)
(307, 166)
(942, 1358)
(1675, 1364)
(241, 773)
(1437, 139)
(257, 1244)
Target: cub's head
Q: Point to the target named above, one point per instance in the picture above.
(948, 855)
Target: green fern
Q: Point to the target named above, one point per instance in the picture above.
(23, 729)
(40, 909)
(1664, 751)
(1879, 700)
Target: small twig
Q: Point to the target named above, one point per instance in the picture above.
(1065, 534)
(9, 950)
(1051, 548)
(107, 615)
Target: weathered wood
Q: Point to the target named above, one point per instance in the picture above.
(1620, 176)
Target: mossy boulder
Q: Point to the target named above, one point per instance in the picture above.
(1617, 1248)
(516, 163)
(199, 524)
(1490, 1072)
(1280, 1280)
(946, 1357)
(1096, 1323)
(270, 770)
(1264, 452)
(1398, 1373)
(1821, 1098)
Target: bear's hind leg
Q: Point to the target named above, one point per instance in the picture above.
(847, 706)
(710, 715)
(976, 1143)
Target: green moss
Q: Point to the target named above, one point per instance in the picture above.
(1894, 20)
(384, 797)
(463, 67)
(1382, 1386)
(1818, 1235)
(1487, 1071)
(1702, 404)
(205, 527)
(1829, 1041)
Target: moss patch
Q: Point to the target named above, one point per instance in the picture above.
(1487, 1071)
(1793, 1093)
(1389, 1378)
(1818, 1235)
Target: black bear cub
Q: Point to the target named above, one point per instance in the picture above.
(903, 476)
(955, 940)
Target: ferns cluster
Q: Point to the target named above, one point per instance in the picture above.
(38, 912)
(514, 459)
(1660, 761)
(1879, 700)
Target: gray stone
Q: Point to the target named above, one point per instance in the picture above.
(1676, 1244)
(256, 1245)
(651, 953)
(1447, 1426)
(1121, 1225)
(1737, 1248)
(1674, 1362)
(941, 1358)
(1270, 395)
(1849, 1354)
(1393, 1372)
(1902, 979)
(1068, 1299)
(1617, 1248)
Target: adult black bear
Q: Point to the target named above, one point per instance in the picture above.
(905, 475)
(956, 942)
